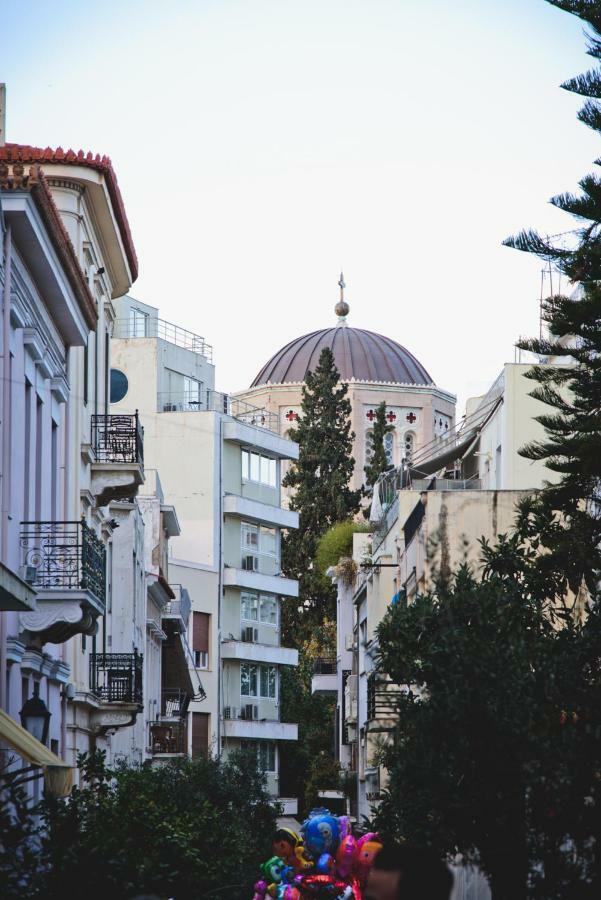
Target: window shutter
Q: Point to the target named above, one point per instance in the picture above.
(200, 734)
(200, 631)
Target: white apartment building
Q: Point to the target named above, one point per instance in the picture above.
(219, 460)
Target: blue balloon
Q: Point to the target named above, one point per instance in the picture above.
(321, 832)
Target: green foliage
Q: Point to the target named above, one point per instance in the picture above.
(322, 496)
(323, 775)
(337, 542)
(566, 512)
(378, 462)
(299, 773)
(178, 831)
(497, 751)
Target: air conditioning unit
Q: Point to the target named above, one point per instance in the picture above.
(250, 635)
(29, 574)
(227, 712)
(250, 563)
(249, 712)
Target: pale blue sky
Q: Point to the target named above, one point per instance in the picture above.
(260, 145)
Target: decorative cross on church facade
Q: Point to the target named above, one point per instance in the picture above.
(411, 417)
(291, 416)
(391, 416)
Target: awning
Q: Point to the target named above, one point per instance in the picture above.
(58, 775)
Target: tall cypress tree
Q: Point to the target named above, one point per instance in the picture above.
(378, 462)
(566, 514)
(322, 495)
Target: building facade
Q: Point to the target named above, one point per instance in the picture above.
(220, 462)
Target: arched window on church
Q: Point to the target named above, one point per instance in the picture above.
(388, 447)
(369, 446)
(409, 445)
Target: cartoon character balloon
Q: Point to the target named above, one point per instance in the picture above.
(321, 832)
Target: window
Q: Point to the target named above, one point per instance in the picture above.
(266, 756)
(369, 446)
(257, 541)
(249, 607)
(259, 468)
(409, 445)
(259, 608)
(192, 393)
(201, 659)
(201, 623)
(137, 323)
(118, 385)
(389, 448)
(258, 681)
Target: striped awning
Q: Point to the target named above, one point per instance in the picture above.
(58, 775)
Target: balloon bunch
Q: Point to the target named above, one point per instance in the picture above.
(324, 862)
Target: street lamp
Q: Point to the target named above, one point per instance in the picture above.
(35, 716)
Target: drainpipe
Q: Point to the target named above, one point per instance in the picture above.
(220, 586)
(5, 420)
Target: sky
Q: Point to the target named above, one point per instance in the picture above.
(263, 145)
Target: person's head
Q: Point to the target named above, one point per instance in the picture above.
(408, 872)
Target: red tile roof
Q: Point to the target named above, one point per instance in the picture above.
(27, 154)
(16, 177)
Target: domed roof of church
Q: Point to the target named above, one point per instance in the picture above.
(359, 354)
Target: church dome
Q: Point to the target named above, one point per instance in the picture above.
(359, 355)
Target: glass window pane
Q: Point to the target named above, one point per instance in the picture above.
(264, 681)
(245, 464)
(245, 680)
(253, 680)
(272, 676)
(272, 473)
(255, 467)
(264, 470)
(269, 609)
(268, 540)
(250, 607)
(250, 536)
(270, 757)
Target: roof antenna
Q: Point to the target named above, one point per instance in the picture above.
(342, 308)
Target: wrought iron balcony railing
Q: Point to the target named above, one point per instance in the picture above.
(63, 556)
(325, 665)
(168, 737)
(174, 703)
(118, 439)
(382, 698)
(117, 677)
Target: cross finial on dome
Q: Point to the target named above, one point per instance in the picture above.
(342, 308)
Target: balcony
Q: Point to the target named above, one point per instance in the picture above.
(255, 652)
(118, 457)
(65, 562)
(199, 399)
(174, 703)
(166, 331)
(273, 584)
(116, 681)
(382, 702)
(241, 722)
(178, 610)
(255, 511)
(168, 740)
(324, 680)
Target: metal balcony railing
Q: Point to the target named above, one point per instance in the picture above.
(118, 439)
(181, 607)
(150, 327)
(201, 400)
(117, 677)
(382, 698)
(63, 556)
(168, 737)
(174, 703)
(325, 665)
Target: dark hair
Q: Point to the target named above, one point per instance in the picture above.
(424, 876)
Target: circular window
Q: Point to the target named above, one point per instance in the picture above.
(119, 385)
